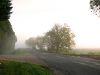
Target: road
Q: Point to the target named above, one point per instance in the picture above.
(70, 65)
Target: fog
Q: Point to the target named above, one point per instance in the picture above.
(49, 37)
(31, 19)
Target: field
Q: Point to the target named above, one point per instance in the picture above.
(89, 53)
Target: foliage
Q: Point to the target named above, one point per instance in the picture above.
(7, 36)
(40, 42)
(19, 68)
(31, 42)
(59, 38)
(95, 6)
(5, 9)
(35, 42)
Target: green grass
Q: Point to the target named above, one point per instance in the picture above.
(20, 68)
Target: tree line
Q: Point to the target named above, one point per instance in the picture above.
(57, 39)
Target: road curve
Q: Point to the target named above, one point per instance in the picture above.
(70, 65)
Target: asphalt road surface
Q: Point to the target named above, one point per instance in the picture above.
(70, 65)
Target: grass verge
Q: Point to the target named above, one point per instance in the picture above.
(20, 68)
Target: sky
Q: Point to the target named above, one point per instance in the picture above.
(31, 18)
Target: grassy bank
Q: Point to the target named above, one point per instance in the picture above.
(19, 68)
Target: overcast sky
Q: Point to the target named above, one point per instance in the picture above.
(35, 17)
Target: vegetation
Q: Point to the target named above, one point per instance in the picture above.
(5, 9)
(22, 51)
(7, 35)
(84, 52)
(35, 42)
(31, 42)
(95, 6)
(19, 68)
(57, 39)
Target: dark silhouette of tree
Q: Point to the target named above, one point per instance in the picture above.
(5, 9)
(7, 35)
(95, 6)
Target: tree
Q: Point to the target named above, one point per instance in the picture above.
(5, 9)
(59, 38)
(7, 35)
(35, 42)
(95, 6)
(31, 42)
(40, 42)
(55, 40)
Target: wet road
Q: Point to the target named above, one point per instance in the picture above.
(70, 65)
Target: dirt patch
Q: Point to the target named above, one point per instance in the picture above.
(24, 58)
(56, 72)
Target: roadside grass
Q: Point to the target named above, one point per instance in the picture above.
(94, 54)
(20, 68)
(88, 53)
(22, 51)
